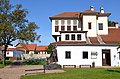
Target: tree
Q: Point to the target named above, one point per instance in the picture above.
(111, 23)
(49, 49)
(15, 26)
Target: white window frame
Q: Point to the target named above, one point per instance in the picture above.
(93, 55)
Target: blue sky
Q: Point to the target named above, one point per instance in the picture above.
(41, 10)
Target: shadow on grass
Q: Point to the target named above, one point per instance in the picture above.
(113, 70)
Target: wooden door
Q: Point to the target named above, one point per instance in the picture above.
(106, 59)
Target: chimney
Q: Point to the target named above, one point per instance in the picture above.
(92, 8)
(116, 25)
(101, 10)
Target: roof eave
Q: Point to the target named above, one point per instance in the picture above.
(104, 14)
(73, 31)
(64, 17)
(86, 44)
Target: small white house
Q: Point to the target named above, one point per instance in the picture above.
(85, 37)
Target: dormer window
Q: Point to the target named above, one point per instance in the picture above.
(68, 22)
(56, 22)
(62, 22)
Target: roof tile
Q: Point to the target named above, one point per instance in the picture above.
(94, 40)
(112, 37)
(41, 48)
(68, 14)
(31, 46)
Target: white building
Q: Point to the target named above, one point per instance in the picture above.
(85, 37)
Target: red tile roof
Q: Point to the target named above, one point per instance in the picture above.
(112, 37)
(31, 46)
(89, 11)
(26, 46)
(11, 49)
(41, 48)
(77, 14)
(94, 40)
(22, 45)
(68, 14)
(20, 48)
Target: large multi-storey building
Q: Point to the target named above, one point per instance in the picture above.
(85, 37)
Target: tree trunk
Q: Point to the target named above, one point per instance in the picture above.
(4, 54)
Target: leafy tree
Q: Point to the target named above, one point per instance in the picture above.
(49, 49)
(111, 23)
(15, 26)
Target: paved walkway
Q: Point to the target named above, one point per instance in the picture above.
(14, 72)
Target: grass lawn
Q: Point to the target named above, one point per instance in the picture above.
(1, 65)
(80, 73)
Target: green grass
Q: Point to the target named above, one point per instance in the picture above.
(2, 66)
(80, 73)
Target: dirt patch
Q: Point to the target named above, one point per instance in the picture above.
(15, 72)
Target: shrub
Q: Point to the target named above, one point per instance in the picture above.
(2, 66)
(8, 62)
(35, 62)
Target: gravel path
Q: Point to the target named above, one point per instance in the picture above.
(14, 72)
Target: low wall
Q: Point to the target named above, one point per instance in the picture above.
(36, 56)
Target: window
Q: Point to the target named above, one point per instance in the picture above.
(67, 37)
(74, 28)
(67, 55)
(36, 52)
(93, 55)
(59, 38)
(79, 37)
(56, 22)
(73, 37)
(68, 28)
(56, 28)
(85, 55)
(119, 55)
(74, 22)
(62, 28)
(89, 25)
(100, 26)
(68, 22)
(62, 22)
(27, 52)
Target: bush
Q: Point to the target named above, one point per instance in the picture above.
(8, 62)
(2, 66)
(35, 62)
